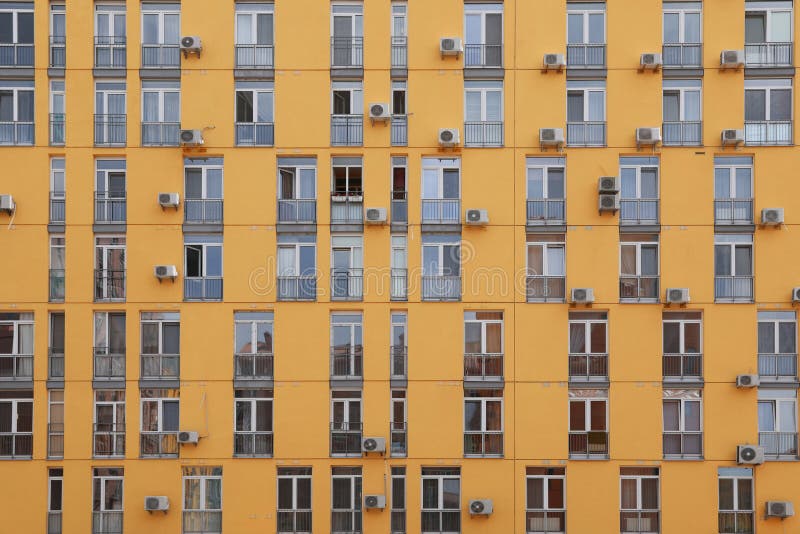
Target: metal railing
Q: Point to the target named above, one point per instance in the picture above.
(588, 444)
(16, 133)
(483, 133)
(398, 361)
(253, 365)
(16, 367)
(255, 56)
(399, 207)
(107, 364)
(441, 287)
(545, 288)
(109, 284)
(55, 440)
(638, 287)
(346, 362)
(54, 522)
(161, 56)
(16, 444)
(109, 522)
(347, 52)
(733, 288)
(346, 521)
(58, 51)
(545, 521)
(777, 366)
(399, 438)
(546, 210)
(110, 51)
(109, 439)
(109, 209)
(57, 208)
(347, 208)
(202, 522)
(768, 132)
(733, 211)
(768, 54)
(683, 133)
(639, 521)
(297, 210)
(158, 443)
(483, 443)
(202, 288)
(346, 438)
(441, 520)
(778, 443)
(58, 128)
(399, 125)
(682, 366)
(483, 366)
(255, 133)
(683, 444)
(16, 55)
(252, 443)
(55, 363)
(160, 133)
(588, 367)
(586, 133)
(483, 55)
(110, 130)
(398, 521)
(302, 287)
(638, 211)
(57, 285)
(399, 290)
(291, 521)
(399, 51)
(441, 210)
(347, 130)
(202, 210)
(347, 284)
(682, 55)
(586, 55)
(735, 522)
(157, 366)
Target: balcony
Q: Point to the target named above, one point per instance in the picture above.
(202, 288)
(778, 445)
(399, 438)
(683, 444)
(682, 367)
(346, 363)
(398, 359)
(201, 522)
(733, 288)
(586, 133)
(109, 439)
(302, 287)
(777, 367)
(55, 364)
(16, 367)
(588, 367)
(255, 56)
(639, 521)
(592, 444)
(109, 284)
(483, 134)
(399, 130)
(399, 207)
(58, 129)
(110, 207)
(682, 55)
(586, 56)
(160, 366)
(347, 208)
(683, 133)
(161, 56)
(54, 522)
(57, 279)
(109, 365)
(16, 133)
(58, 51)
(441, 288)
(346, 439)
(638, 211)
(441, 211)
(16, 55)
(255, 133)
(483, 443)
(546, 211)
(545, 288)
(107, 522)
(160, 133)
(110, 130)
(347, 130)
(16, 445)
(302, 211)
(638, 288)
(294, 521)
(483, 55)
(253, 365)
(442, 521)
(768, 54)
(347, 284)
(202, 210)
(399, 290)
(252, 443)
(736, 522)
(158, 444)
(399, 52)
(733, 211)
(347, 52)
(767, 133)
(55, 440)
(483, 367)
(110, 52)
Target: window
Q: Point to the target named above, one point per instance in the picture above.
(347, 35)
(110, 39)
(109, 345)
(639, 192)
(16, 424)
(16, 108)
(161, 345)
(57, 112)
(399, 267)
(346, 499)
(683, 346)
(588, 346)
(483, 31)
(777, 345)
(768, 33)
(55, 364)
(110, 110)
(297, 190)
(55, 499)
(399, 190)
(399, 445)
(16, 346)
(109, 268)
(204, 190)
(736, 512)
(483, 422)
(546, 189)
(483, 113)
(254, 35)
(399, 118)
(777, 422)
(347, 267)
(683, 423)
(252, 433)
(733, 267)
(546, 268)
(683, 39)
(638, 275)
(110, 204)
(586, 34)
(57, 261)
(683, 112)
(347, 190)
(16, 35)
(253, 352)
(441, 499)
(55, 423)
(202, 500)
(483, 345)
(294, 499)
(203, 269)
(733, 190)
(399, 35)
(639, 499)
(161, 34)
(297, 267)
(109, 423)
(768, 111)
(107, 501)
(441, 267)
(545, 509)
(160, 416)
(441, 190)
(586, 113)
(398, 500)
(255, 114)
(161, 113)
(588, 423)
(58, 190)
(399, 344)
(345, 423)
(346, 345)
(347, 119)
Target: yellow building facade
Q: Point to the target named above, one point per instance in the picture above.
(447, 271)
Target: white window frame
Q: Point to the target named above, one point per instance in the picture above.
(160, 323)
(398, 400)
(24, 319)
(483, 324)
(203, 489)
(776, 400)
(732, 181)
(775, 323)
(545, 481)
(295, 170)
(294, 477)
(108, 247)
(637, 168)
(587, 334)
(546, 246)
(585, 13)
(769, 85)
(732, 246)
(255, 93)
(638, 245)
(346, 402)
(54, 191)
(102, 497)
(253, 324)
(161, 92)
(15, 21)
(735, 490)
(114, 404)
(296, 271)
(481, 10)
(56, 93)
(769, 13)
(483, 402)
(110, 92)
(245, 9)
(161, 13)
(204, 258)
(682, 399)
(160, 401)
(253, 402)
(639, 479)
(682, 102)
(670, 9)
(355, 92)
(353, 16)
(545, 168)
(427, 165)
(15, 403)
(585, 92)
(440, 261)
(112, 13)
(204, 180)
(16, 91)
(399, 12)
(587, 406)
(483, 92)
(440, 490)
(50, 479)
(665, 320)
(355, 499)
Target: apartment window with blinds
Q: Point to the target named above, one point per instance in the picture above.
(640, 190)
(682, 112)
(682, 346)
(110, 205)
(161, 34)
(586, 113)
(109, 346)
(586, 34)
(347, 115)
(16, 110)
(297, 190)
(733, 267)
(441, 267)
(640, 500)
(294, 500)
(16, 34)
(204, 190)
(110, 113)
(483, 113)
(346, 423)
(546, 190)
(483, 35)
(683, 423)
(768, 33)
(736, 507)
(255, 35)
(483, 345)
(57, 113)
(110, 40)
(109, 423)
(733, 190)
(161, 113)
(347, 35)
(768, 111)
(160, 345)
(777, 423)
(297, 267)
(777, 345)
(683, 34)
(202, 500)
(546, 265)
(255, 122)
(639, 268)
(545, 509)
(441, 191)
(347, 267)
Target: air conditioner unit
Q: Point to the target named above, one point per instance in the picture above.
(731, 59)
(732, 137)
(554, 61)
(375, 216)
(678, 295)
(608, 184)
(582, 295)
(451, 46)
(373, 445)
(648, 136)
(749, 454)
(780, 509)
(156, 503)
(551, 136)
(747, 381)
(481, 507)
(772, 216)
(650, 61)
(188, 437)
(448, 137)
(608, 202)
(477, 217)
(374, 502)
(191, 137)
(191, 44)
(796, 294)
(7, 203)
(169, 200)
(163, 272)
(379, 112)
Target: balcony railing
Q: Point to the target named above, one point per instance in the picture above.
(399, 284)
(109, 209)
(163, 56)
(347, 208)
(683, 444)
(441, 287)
(16, 366)
(158, 443)
(586, 133)
(441, 211)
(588, 444)
(291, 521)
(778, 443)
(483, 133)
(158, 366)
(54, 522)
(638, 287)
(733, 211)
(16, 444)
(734, 288)
(346, 362)
(108, 364)
(347, 284)
(483, 367)
(639, 521)
(441, 520)
(55, 364)
(638, 211)
(398, 521)
(110, 130)
(777, 366)
(346, 521)
(588, 367)
(347, 52)
(483, 443)
(399, 130)
(202, 288)
(109, 284)
(398, 359)
(545, 210)
(58, 51)
(545, 288)
(255, 56)
(683, 133)
(253, 365)
(399, 207)
(57, 289)
(202, 522)
(399, 438)
(255, 133)
(545, 521)
(735, 522)
(297, 210)
(682, 55)
(677, 367)
(297, 287)
(399, 52)
(768, 54)
(55, 440)
(768, 132)
(586, 55)
(347, 130)
(203, 210)
(110, 51)
(107, 522)
(109, 439)
(16, 55)
(16, 133)
(252, 443)
(57, 208)
(160, 133)
(483, 55)
(346, 438)
(58, 128)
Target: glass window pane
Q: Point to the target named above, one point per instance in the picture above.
(744, 183)
(597, 28)
(535, 183)
(575, 106)
(672, 111)
(755, 105)
(755, 27)
(691, 338)
(781, 27)
(672, 342)
(577, 338)
(722, 183)
(691, 416)
(494, 341)
(787, 337)
(575, 28)
(744, 261)
(725, 494)
(766, 416)
(671, 27)
(555, 183)
(577, 416)
(722, 260)
(691, 28)
(535, 493)
(598, 340)
(745, 492)
(780, 105)
(555, 261)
